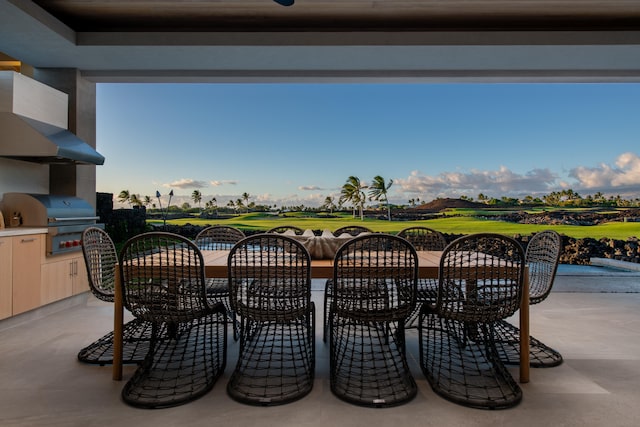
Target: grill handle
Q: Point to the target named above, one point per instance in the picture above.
(77, 218)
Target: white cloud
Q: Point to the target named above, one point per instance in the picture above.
(309, 188)
(499, 182)
(223, 182)
(625, 174)
(186, 183)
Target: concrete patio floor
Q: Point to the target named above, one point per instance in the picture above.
(593, 320)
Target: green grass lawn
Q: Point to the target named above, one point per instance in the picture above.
(449, 224)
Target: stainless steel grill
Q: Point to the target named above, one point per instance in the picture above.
(65, 217)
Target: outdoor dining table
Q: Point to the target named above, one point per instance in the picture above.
(216, 266)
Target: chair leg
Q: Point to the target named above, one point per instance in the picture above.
(356, 346)
(276, 361)
(328, 298)
(183, 368)
(136, 341)
(507, 338)
(467, 371)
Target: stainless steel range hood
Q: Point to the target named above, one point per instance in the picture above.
(31, 140)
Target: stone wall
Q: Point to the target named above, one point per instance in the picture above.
(121, 224)
(580, 251)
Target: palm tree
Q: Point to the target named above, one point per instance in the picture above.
(245, 197)
(232, 205)
(196, 196)
(124, 197)
(353, 191)
(134, 199)
(329, 204)
(147, 200)
(212, 205)
(379, 192)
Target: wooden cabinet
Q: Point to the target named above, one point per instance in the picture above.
(6, 279)
(80, 276)
(62, 277)
(26, 275)
(29, 279)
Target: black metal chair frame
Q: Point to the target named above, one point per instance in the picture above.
(163, 283)
(423, 239)
(101, 258)
(353, 230)
(283, 228)
(480, 283)
(270, 277)
(220, 237)
(542, 257)
(374, 285)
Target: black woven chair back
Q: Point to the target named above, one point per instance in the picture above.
(480, 283)
(283, 228)
(424, 239)
(374, 288)
(542, 257)
(270, 281)
(163, 277)
(375, 276)
(163, 283)
(100, 258)
(270, 278)
(218, 237)
(480, 278)
(354, 230)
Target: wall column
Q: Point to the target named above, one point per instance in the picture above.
(74, 180)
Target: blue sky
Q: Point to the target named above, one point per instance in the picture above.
(291, 144)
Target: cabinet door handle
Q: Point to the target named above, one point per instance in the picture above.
(33, 239)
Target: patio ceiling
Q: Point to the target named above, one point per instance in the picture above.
(345, 15)
(327, 40)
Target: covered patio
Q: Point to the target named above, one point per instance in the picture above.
(592, 319)
(594, 325)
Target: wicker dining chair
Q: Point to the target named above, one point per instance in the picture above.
(542, 257)
(480, 283)
(374, 285)
(216, 238)
(270, 277)
(284, 228)
(163, 283)
(101, 258)
(353, 230)
(423, 239)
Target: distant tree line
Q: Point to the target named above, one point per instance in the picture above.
(354, 194)
(564, 198)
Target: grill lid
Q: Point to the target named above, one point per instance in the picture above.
(41, 210)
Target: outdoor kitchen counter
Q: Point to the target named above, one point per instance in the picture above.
(22, 231)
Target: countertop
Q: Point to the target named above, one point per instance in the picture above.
(22, 231)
